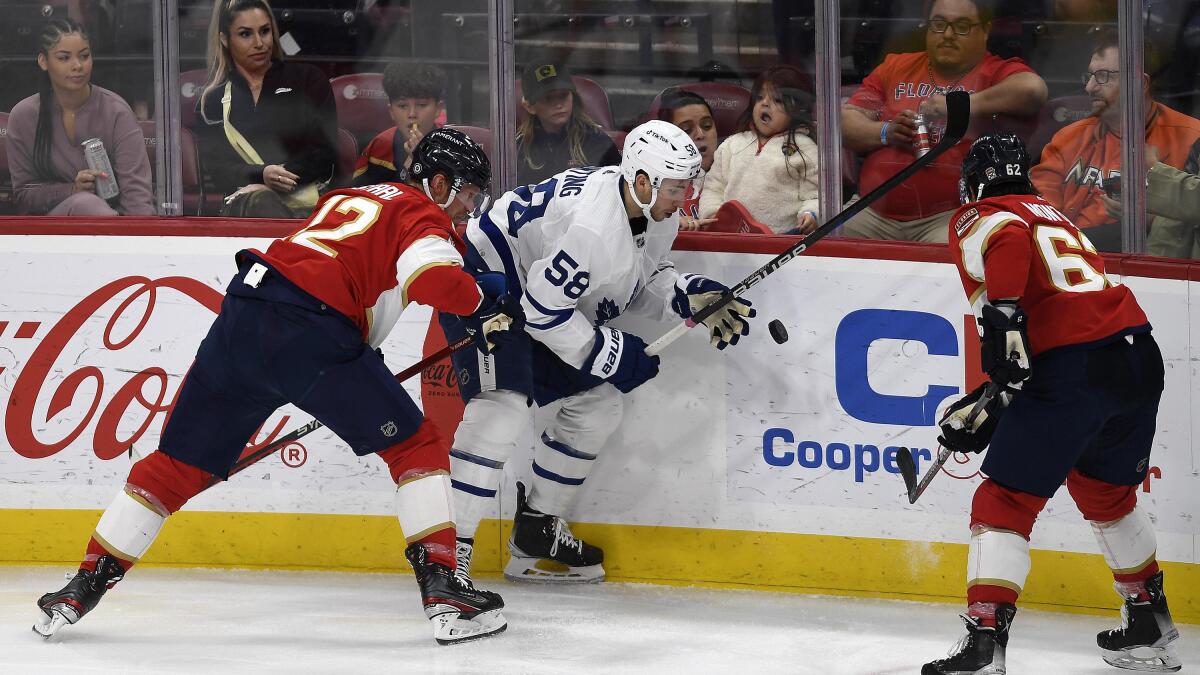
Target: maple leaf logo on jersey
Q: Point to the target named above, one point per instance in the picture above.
(606, 311)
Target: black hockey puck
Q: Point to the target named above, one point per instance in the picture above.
(778, 332)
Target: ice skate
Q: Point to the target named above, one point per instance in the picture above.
(463, 548)
(457, 610)
(1143, 640)
(544, 550)
(78, 597)
(980, 651)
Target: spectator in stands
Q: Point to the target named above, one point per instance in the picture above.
(770, 166)
(1174, 197)
(879, 119)
(416, 98)
(266, 127)
(690, 112)
(1083, 155)
(558, 134)
(45, 132)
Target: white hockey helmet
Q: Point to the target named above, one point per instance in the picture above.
(662, 151)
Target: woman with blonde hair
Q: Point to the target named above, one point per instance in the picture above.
(557, 134)
(49, 172)
(267, 126)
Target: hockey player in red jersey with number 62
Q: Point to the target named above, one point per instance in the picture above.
(299, 324)
(1079, 379)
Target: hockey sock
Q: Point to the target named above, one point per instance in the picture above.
(487, 436)
(420, 466)
(998, 557)
(558, 472)
(158, 486)
(1123, 530)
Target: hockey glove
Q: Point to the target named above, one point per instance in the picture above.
(621, 359)
(1004, 348)
(726, 325)
(963, 435)
(499, 318)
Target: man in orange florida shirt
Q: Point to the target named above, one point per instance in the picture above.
(879, 119)
(1084, 155)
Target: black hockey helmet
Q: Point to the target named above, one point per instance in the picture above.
(454, 154)
(993, 159)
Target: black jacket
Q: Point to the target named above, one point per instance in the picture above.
(293, 124)
(552, 153)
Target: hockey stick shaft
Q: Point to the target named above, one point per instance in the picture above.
(958, 117)
(302, 431)
(944, 453)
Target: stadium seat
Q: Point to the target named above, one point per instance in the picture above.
(362, 105)
(1056, 114)
(728, 102)
(347, 155)
(7, 206)
(191, 83)
(193, 188)
(618, 139)
(595, 102)
(734, 217)
(480, 135)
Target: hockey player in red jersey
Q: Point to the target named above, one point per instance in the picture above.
(299, 324)
(1079, 379)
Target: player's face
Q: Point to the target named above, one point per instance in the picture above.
(769, 116)
(698, 124)
(250, 40)
(671, 194)
(951, 51)
(421, 113)
(68, 63)
(469, 201)
(1104, 96)
(553, 110)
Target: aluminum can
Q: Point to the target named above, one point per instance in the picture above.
(921, 142)
(97, 160)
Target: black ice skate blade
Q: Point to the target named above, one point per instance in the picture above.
(908, 471)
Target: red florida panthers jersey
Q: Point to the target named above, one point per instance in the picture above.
(363, 248)
(1019, 246)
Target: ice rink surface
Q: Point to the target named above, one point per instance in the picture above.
(217, 621)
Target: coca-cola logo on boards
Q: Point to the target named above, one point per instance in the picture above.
(39, 373)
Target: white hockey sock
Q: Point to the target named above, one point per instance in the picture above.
(1128, 543)
(558, 472)
(997, 558)
(475, 480)
(129, 525)
(424, 505)
(492, 422)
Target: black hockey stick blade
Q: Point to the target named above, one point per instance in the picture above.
(908, 471)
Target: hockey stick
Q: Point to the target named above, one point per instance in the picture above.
(958, 117)
(304, 430)
(908, 469)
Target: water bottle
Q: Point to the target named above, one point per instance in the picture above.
(97, 160)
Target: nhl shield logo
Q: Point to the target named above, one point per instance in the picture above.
(389, 429)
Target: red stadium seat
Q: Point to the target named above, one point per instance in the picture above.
(733, 217)
(362, 105)
(1056, 114)
(193, 188)
(191, 83)
(728, 102)
(6, 193)
(618, 138)
(595, 102)
(347, 155)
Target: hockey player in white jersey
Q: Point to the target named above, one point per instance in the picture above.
(585, 246)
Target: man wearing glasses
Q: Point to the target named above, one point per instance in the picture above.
(1081, 165)
(880, 119)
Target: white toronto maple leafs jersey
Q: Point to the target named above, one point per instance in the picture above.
(567, 243)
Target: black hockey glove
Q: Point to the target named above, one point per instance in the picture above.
(499, 319)
(1004, 347)
(726, 325)
(963, 435)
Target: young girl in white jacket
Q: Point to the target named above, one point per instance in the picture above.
(771, 165)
